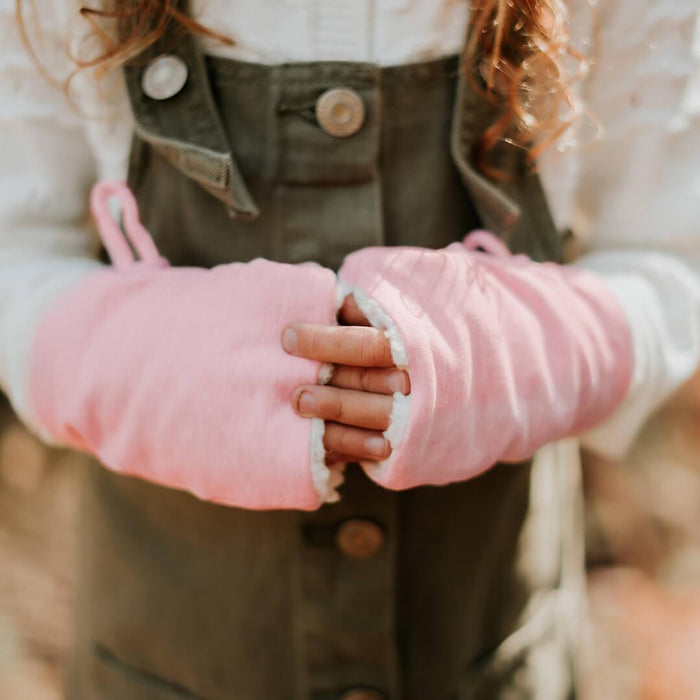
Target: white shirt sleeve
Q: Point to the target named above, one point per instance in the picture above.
(633, 196)
(46, 170)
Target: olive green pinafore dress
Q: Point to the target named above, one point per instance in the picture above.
(435, 593)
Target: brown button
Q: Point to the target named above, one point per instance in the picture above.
(362, 694)
(340, 112)
(359, 539)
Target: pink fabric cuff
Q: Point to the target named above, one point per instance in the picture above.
(504, 354)
(177, 375)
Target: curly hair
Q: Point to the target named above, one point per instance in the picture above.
(517, 55)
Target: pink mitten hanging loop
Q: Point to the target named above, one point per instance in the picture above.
(487, 242)
(119, 240)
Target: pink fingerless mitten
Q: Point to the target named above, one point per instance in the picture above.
(504, 354)
(176, 375)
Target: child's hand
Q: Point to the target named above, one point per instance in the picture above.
(357, 403)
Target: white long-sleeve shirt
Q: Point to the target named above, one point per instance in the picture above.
(632, 196)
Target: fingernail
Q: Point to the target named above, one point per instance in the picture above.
(307, 404)
(376, 446)
(290, 340)
(396, 382)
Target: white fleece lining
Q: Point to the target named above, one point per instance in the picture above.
(326, 481)
(401, 408)
(379, 319)
(398, 421)
(325, 373)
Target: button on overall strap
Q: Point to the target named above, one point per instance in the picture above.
(174, 111)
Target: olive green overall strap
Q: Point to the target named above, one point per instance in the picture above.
(516, 209)
(185, 128)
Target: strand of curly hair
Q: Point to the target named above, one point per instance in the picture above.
(519, 56)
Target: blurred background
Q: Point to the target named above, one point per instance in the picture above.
(643, 551)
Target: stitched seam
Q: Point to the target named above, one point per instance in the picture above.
(110, 659)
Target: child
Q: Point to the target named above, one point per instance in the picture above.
(369, 139)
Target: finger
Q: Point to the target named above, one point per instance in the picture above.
(336, 458)
(340, 345)
(350, 314)
(372, 379)
(358, 408)
(355, 442)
